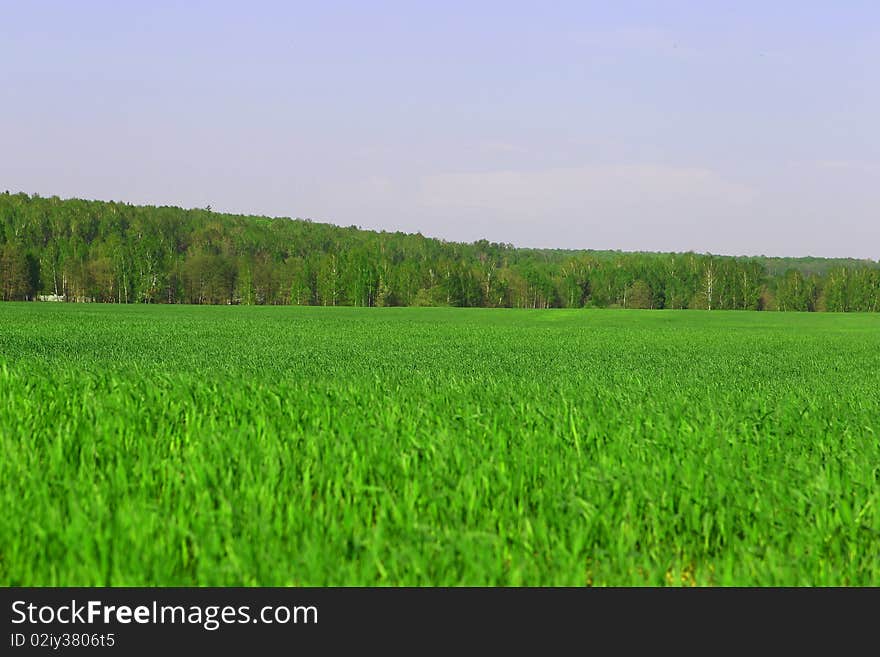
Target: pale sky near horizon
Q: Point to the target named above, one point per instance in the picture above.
(727, 127)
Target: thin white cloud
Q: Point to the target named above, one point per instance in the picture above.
(530, 192)
(635, 38)
(848, 165)
(500, 148)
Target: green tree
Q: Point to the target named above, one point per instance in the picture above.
(640, 295)
(16, 274)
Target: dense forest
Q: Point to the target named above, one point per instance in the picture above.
(77, 250)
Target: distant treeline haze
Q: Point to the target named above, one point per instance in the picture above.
(79, 250)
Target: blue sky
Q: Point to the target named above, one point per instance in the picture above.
(728, 127)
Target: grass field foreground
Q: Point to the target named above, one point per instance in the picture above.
(230, 446)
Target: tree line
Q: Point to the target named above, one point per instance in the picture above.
(78, 250)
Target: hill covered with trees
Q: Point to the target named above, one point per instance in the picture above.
(79, 250)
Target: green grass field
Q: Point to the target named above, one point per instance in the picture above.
(337, 446)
